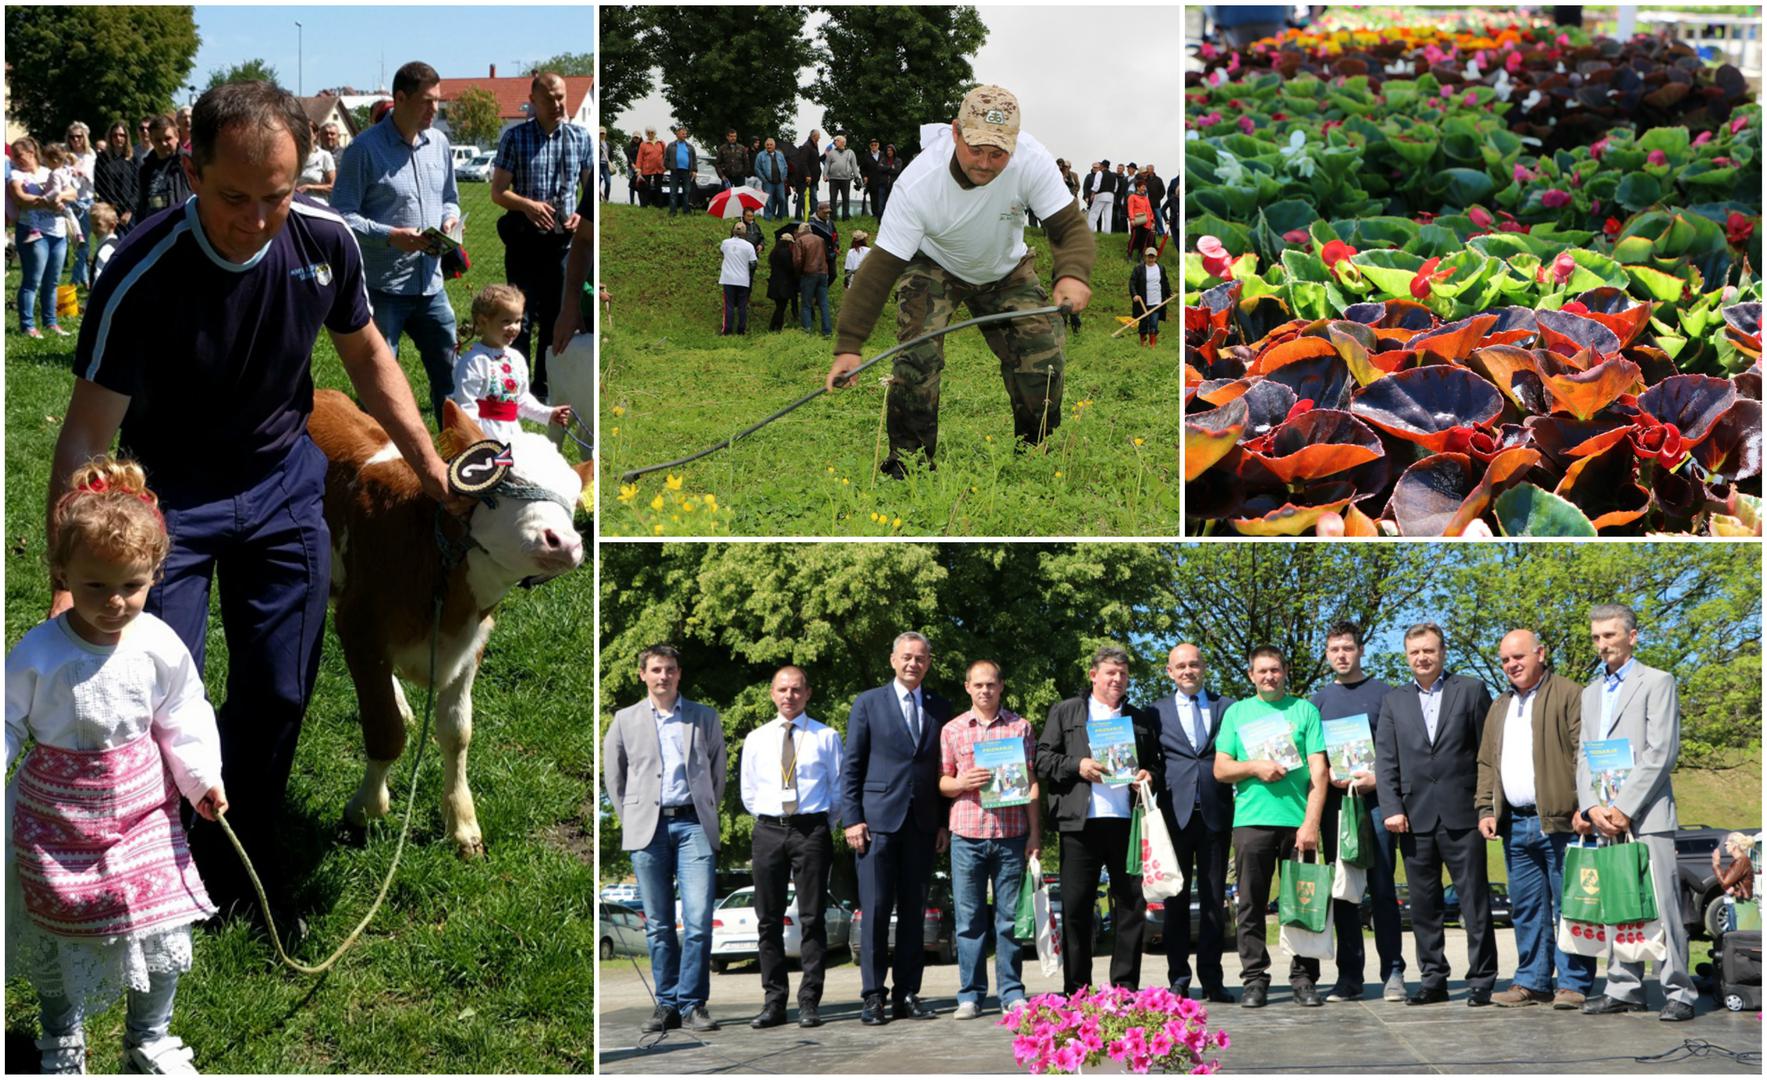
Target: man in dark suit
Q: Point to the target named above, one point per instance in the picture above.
(1426, 767)
(1199, 815)
(896, 822)
(1093, 819)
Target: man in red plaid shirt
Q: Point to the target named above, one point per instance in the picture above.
(989, 843)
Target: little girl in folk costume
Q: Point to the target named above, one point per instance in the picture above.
(491, 378)
(101, 889)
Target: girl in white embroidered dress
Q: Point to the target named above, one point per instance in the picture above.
(491, 378)
(101, 890)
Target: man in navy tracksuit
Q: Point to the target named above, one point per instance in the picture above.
(198, 347)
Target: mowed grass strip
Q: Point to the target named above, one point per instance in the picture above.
(479, 967)
(670, 386)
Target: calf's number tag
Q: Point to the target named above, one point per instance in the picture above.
(479, 468)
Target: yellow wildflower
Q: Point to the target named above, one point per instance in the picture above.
(711, 503)
(657, 503)
(628, 492)
(1138, 440)
(1058, 474)
(616, 429)
(656, 530)
(844, 480)
(619, 410)
(896, 524)
(690, 505)
(673, 483)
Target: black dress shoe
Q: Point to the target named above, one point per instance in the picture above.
(873, 1013)
(1605, 1004)
(1477, 998)
(1427, 996)
(1218, 995)
(1307, 994)
(663, 1018)
(910, 1007)
(808, 1017)
(768, 1018)
(1253, 997)
(1676, 1010)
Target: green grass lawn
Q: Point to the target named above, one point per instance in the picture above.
(479, 967)
(670, 385)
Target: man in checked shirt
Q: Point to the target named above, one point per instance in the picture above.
(987, 844)
(535, 176)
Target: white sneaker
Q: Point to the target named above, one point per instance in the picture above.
(62, 1055)
(167, 1055)
(1395, 988)
(967, 1010)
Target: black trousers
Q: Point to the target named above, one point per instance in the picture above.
(894, 872)
(840, 199)
(1100, 843)
(534, 263)
(779, 309)
(1257, 851)
(1202, 859)
(797, 852)
(1462, 851)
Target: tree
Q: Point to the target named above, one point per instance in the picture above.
(94, 63)
(253, 70)
(883, 71)
(626, 57)
(730, 67)
(474, 119)
(363, 115)
(569, 64)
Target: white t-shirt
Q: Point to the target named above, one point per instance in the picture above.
(739, 258)
(978, 234)
(319, 162)
(855, 256)
(1155, 285)
(496, 380)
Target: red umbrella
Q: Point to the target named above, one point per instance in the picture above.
(731, 202)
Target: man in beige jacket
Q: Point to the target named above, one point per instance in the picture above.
(1527, 797)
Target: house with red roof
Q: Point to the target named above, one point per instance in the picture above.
(512, 98)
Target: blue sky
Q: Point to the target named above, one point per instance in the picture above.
(345, 44)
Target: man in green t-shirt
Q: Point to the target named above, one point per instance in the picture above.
(1277, 805)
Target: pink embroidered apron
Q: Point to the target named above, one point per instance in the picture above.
(99, 846)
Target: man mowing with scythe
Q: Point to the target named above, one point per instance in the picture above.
(954, 233)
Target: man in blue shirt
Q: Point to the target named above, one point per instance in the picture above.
(198, 347)
(683, 163)
(539, 165)
(393, 182)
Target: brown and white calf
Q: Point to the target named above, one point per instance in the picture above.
(386, 566)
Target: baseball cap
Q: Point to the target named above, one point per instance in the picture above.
(989, 116)
(1151, 251)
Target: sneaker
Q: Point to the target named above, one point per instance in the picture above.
(1006, 1007)
(59, 332)
(967, 1010)
(62, 1055)
(698, 1019)
(663, 1018)
(33, 332)
(166, 1055)
(1568, 999)
(1518, 996)
(1344, 993)
(1394, 990)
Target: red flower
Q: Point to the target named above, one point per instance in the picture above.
(1563, 267)
(1334, 251)
(509, 384)
(1216, 259)
(1598, 148)
(1657, 157)
(1612, 228)
(1246, 125)
(1553, 198)
(506, 369)
(1738, 228)
(1469, 440)
(1295, 236)
(1420, 282)
(1654, 440)
(1481, 217)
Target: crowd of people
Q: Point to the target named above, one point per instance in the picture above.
(1451, 771)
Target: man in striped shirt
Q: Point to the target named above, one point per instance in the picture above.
(198, 347)
(988, 845)
(539, 165)
(393, 182)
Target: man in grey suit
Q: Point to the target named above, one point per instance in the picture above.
(664, 765)
(1630, 701)
(1426, 763)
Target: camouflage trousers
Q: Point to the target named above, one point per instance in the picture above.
(1029, 350)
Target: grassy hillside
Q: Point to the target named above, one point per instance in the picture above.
(670, 386)
(478, 967)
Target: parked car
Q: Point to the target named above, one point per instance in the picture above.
(1101, 920)
(705, 185)
(1154, 932)
(476, 169)
(463, 153)
(940, 931)
(623, 893)
(1700, 895)
(1500, 910)
(620, 932)
(736, 928)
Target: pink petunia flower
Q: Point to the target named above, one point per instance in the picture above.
(1657, 157)
(1481, 217)
(1246, 125)
(1470, 99)
(1512, 63)
(1738, 123)
(1598, 148)
(1553, 198)
(1563, 267)
(1702, 138)
(1521, 173)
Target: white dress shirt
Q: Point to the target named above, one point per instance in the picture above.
(818, 767)
(908, 713)
(1107, 801)
(1430, 701)
(1517, 765)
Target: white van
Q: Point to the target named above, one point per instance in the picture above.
(464, 154)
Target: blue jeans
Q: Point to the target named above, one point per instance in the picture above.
(1389, 936)
(813, 289)
(148, 1017)
(775, 208)
(431, 322)
(679, 181)
(40, 263)
(679, 853)
(82, 252)
(1535, 862)
(607, 181)
(974, 863)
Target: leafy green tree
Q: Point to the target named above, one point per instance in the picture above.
(92, 63)
(363, 115)
(253, 70)
(626, 57)
(569, 64)
(474, 119)
(730, 67)
(882, 71)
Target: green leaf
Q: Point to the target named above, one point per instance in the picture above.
(1415, 147)
(1464, 187)
(1659, 285)
(1526, 510)
(1391, 271)
(1290, 214)
(1301, 265)
(1634, 249)
(1673, 141)
(1638, 190)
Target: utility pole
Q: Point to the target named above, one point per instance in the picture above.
(300, 60)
